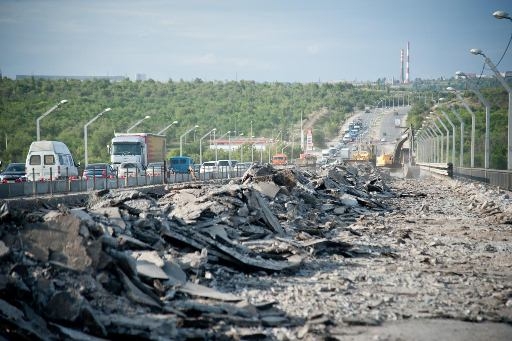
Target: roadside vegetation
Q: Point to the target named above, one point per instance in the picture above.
(498, 99)
(270, 110)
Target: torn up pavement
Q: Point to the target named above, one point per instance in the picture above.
(144, 265)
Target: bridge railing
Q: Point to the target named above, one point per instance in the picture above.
(495, 177)
(437, 168)
(40, 188)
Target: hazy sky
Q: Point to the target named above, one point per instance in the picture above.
(261, 40)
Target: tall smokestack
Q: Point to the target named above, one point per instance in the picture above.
(401, 66)
(407, 66)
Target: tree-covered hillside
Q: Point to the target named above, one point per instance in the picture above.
(266, 108)
(446, 102)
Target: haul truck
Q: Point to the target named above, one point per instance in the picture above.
(141, 148)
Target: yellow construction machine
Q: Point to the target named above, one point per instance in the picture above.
(364, 153)
(384, 160)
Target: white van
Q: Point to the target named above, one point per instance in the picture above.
(49, 159)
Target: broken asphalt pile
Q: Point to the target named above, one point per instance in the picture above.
(146, 265)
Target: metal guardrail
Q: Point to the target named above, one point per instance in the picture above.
(445, 169)
(40, 188)
(495, 177)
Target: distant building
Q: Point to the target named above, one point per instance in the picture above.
(141, 77)
(80, 78)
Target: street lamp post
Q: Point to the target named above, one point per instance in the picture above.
(38, 135)
(453, 135)
(433, 145)
(137, 123)
(86, 160)
(241, 149)
(433, 125)
(201, 144)
(436, 156)
(229, 143)
(165, 129)
(181, 138)
(461, 121)
(441, 149)
(500, 78)
(487, 106)
(473, 123)
(216, 149)
(447, 139)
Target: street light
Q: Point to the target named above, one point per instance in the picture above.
(502, 15)
(46, 114)
(461, 121)
(453, 135)
(137, 123)
(241, 149)
(473, 123)
(216, 149)
(229, 143)
(436, 155)
(201, 146)
(165, 129)
(181, 138)
(429, 125)
(85, 133)
(447, 139)
(487, 106)
(442, 139)
(509, 90)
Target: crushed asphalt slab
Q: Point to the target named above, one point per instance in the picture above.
(342, 252)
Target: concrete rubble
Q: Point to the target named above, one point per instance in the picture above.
(277, 254)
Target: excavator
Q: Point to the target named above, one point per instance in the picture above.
(400, 158)
(364, 153)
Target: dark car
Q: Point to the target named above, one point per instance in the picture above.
(98, 170)
(14, 172)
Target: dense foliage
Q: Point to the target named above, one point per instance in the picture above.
(270, 110)
(265, 109)
(498, 100)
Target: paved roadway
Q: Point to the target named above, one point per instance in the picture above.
(381, 124)
(386, 128)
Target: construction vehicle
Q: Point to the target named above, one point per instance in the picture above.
(306, 160)
(364, 153)
(384, 160)
(279, 159)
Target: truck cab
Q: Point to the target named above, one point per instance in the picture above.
(280, 159)
(140, 148)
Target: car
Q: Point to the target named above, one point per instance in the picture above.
(14, 172)
(383, 139)
(209, 167)
(155, 169)
(242, 166)
(129, 169)
(226, 165)
(99, 170)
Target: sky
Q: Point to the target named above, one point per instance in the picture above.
(259, 40)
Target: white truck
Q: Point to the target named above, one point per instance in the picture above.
(140, 148)
(344, 153)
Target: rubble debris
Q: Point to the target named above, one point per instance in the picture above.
(229, 261)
